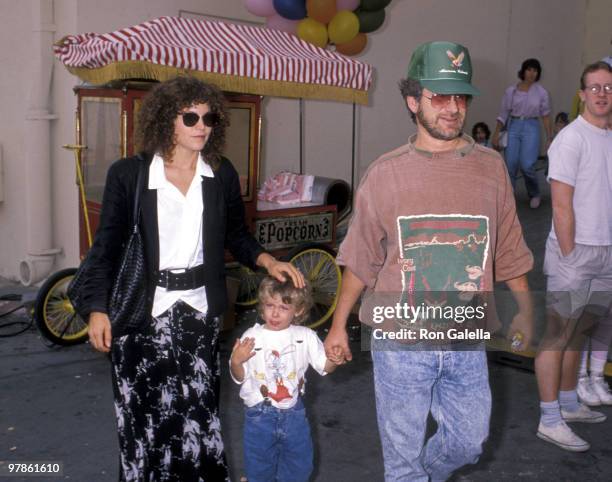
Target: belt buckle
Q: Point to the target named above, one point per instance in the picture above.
(179, 278)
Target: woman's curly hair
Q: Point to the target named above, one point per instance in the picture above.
(161, 106)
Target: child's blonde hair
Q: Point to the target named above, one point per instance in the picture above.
(300, 298)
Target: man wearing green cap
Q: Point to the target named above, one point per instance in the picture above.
(434, 216)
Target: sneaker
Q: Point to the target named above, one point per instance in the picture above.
(583, 414)
(586, 393)
(562, 436)
(534, 202)
(601, 388)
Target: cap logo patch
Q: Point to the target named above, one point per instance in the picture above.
(456, 60)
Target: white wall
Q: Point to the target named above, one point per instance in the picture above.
(598, 37)
(499, 34)
(13, 91)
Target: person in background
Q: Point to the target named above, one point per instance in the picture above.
(561, 120)
(578, 266)
(522, 107)
(481, 134)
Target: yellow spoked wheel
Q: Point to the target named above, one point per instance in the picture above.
(54, 314)
(318, 265)
(249, 283)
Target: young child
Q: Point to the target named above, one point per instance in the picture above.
(270, 362)
(561, 120)
(481, 134)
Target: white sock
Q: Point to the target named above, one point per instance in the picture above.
(582, 371)
(597, 365)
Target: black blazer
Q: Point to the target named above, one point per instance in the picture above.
(223, 226)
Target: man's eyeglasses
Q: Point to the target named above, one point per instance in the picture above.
(440, 101)
(596, 88)
(210, 119)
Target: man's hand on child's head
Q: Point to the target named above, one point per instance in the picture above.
(243, 350)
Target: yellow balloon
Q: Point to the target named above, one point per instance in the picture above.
(313, 32)
(343, 27)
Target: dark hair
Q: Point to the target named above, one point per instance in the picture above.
(484, 127)
(300, 298)
(161, 106)
(530, 64)
(411, 88)
(594, 67)
(563, 117)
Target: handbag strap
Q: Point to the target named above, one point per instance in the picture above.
(136, 216)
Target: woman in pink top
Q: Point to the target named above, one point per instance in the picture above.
(522, 106)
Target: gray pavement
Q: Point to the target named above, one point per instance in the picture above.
(56, 405)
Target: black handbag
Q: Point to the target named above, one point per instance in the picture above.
(127, 305)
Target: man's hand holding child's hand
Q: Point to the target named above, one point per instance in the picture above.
(336, 356)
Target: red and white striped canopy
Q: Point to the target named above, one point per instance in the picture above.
(236, 57)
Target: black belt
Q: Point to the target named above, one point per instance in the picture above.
(188, 279)
(522, 117)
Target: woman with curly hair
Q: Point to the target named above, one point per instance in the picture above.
(166, 373)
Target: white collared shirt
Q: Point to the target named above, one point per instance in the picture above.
(179, 220)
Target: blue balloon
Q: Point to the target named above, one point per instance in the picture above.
(291, 9)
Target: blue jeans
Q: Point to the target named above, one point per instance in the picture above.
(522, 151)
(454, 387)
(277, 444)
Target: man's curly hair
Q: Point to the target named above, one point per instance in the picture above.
(161, 106)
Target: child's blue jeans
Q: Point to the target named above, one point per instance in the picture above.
(277, 444)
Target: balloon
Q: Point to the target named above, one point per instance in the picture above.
(370, 21)
(276, 22)
(347, 4)
(371, 5)
(343, 27)
(321, 10)
(291, 9)
(261, 8)
(312, 31)
(353, 47)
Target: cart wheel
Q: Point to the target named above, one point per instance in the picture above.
(54, 314)
(249, 283)
(318, 265)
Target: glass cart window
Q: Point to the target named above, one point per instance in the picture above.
(101, 133)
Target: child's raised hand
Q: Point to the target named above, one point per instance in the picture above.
(243, 350)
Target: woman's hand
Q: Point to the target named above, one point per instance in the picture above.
(495, 140)
(100, 331)
(281, 270)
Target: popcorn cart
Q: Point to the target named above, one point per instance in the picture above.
(246, 63)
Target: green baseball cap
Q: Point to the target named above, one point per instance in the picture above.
(443, 68)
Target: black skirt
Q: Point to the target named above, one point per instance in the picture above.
(166, 388)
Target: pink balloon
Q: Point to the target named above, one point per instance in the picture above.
(277, 22)
(261, 8)
(347, 4)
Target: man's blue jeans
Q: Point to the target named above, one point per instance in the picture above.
(410, 383)
(522, 151)
(277, 444)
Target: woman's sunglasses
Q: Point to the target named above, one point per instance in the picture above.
(210, 119)
(440, 101)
